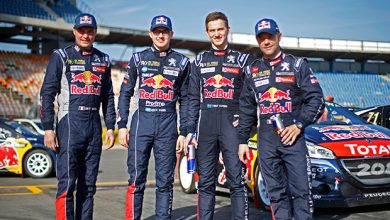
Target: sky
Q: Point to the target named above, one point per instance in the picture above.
(334, 19)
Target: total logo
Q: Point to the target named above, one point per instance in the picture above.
(218, 81)
(273, 95)
(157, 82)
(8, 156)
(88, 78)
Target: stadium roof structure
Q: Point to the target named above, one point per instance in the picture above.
(327, 49)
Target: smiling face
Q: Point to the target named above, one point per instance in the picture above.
(85, 36)
(218, 31)
(161, 37)
(269, 44)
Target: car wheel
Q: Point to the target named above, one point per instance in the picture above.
(187, 180)
(38, 164)
(260, 191)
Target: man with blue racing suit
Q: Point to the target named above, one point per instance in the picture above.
(161, 76)
(283, 84)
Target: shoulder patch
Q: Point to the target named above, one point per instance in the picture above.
(198, 59)
(242, 58)
(63, 55)
(107, 59)
(298, 62)
(137, 59)
(184, 62)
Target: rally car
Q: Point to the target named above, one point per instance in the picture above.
(29, 156)
(32, 124)
(350, 163)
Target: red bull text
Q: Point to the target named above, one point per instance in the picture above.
(156, 94)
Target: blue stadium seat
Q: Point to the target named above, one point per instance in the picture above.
(355, 89)
(25, 8)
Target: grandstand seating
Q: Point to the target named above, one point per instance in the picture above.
(65, 10)
(21, 76)
(30, 8)
(356, 89)
(25, 8)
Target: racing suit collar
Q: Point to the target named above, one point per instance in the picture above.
(159, 53)
(221, 52)
(276, 60)
(83, 51)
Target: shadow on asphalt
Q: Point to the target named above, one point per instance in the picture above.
(221, 213)
(341, 213)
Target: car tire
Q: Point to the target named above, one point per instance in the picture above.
(186, 180)
(38, 164)
(260, 191)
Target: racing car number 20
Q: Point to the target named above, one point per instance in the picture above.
(374, 169)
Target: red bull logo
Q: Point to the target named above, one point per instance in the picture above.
(86, 77)
(157, 82)
(161, 20)
(8, 156)
(273, 95)
(85, 19)
(218, 81)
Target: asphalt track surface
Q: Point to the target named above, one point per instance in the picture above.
(28, 198)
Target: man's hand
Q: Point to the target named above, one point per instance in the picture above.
(50, 140)
(290, 134)
(243, 152)
(180, 144)
(109, 137)
(187, 140)
(235, 122)
(124, 137)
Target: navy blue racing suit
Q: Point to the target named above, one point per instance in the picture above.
(215, 85)
(162, 80)
(82, 80)
(284, 86)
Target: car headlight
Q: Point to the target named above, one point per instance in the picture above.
(318, 151)
(18, 143)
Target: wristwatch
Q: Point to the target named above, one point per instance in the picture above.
(299, 124)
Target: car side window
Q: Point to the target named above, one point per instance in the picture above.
(28, 125)
(386, 119)
(373, 117)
